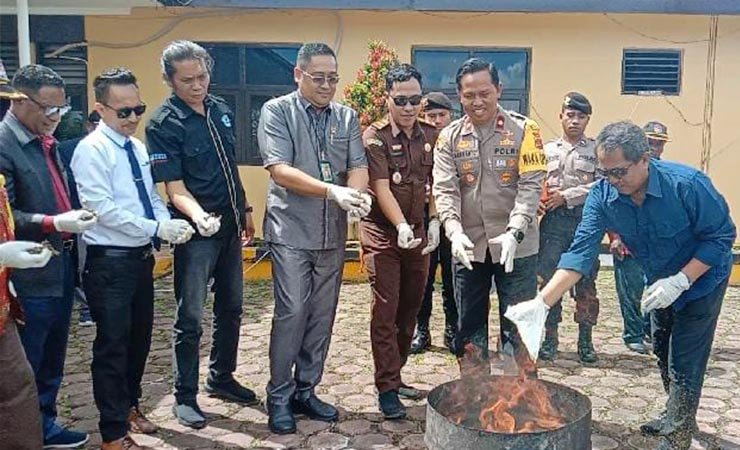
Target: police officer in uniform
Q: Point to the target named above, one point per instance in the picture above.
(395, 248)
(571, 163)
(488, 172)
(657, 136)
(192, 148)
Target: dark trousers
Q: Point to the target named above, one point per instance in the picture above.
(196, 262)
(306, 287)
(397, 279)
(44, 339)
(682, 341)
(472, 294)
(120, 292)
(442, 256)
(557, 229)
(20, 421)
(630, 282)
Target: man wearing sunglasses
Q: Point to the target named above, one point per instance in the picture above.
(678, 227)
(394, 243)
(114, 179)
(36, 181)
(571, 164)
(488, 172)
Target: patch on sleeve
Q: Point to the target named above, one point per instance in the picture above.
(532, 157)
(158, 158)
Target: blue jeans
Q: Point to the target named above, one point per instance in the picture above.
(44, 339)
(630, 282)
(195, 263)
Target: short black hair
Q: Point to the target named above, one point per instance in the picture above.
(400, 73)
(119, 76)
(93, 117)
(183, 50)
(29, 79)
(473, 65)
(311, 49)
(626, 136)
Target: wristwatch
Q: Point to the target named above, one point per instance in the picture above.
(518, 234)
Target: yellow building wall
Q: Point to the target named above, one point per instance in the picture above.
(569, 52)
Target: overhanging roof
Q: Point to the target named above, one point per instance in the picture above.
(711, 7)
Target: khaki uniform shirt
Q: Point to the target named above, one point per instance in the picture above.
(572, 169)
(405, 162)
(484, 186)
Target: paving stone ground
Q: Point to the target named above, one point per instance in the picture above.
(624, 387)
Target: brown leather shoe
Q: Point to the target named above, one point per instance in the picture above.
(125, 443)
(137, 423)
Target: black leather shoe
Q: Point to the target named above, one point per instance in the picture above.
(281, 419)
(315, 409)
(422, 341)
(586, 350)
(391, 406)
(549, 349)
(231, 390)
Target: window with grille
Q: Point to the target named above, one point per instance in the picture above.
(651, 72)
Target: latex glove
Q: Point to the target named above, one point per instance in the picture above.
(176, 231)
(24, 254)
(406, 238)
(207, 224)
(347, 198)
(433, 231)
(508, 244)
(362, 210)
(664, 292)
(75, 221)
(529, 318)
(462, 249)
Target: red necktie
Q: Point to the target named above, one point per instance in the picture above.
(60, 193)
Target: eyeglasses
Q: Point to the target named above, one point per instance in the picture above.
(402, 100)
(50, 110)
(319, 80)
(616, 173)
(125, 112)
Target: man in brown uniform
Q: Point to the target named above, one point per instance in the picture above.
(399, 153)
(488, 172)
(571, 165)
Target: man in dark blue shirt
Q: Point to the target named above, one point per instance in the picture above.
(679, 229)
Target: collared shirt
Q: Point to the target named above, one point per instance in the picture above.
(683, 217)
(106, 185)
(286, 136)
(571, 168)
(200, 151)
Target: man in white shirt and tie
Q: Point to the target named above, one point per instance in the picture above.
(114, 180)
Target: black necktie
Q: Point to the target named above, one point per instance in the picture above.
(141, 188)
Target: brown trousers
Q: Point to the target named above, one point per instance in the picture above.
(20, 418)
(397, 279)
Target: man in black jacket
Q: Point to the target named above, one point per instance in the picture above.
(39, 198)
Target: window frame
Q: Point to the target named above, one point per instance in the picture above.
(679, 81)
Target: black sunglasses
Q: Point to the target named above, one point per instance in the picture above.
(616, 173)
(125, 112)
(402, 100)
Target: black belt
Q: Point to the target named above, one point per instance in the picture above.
(99, 251)
(67, 244)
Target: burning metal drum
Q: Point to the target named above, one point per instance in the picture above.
(522, 415)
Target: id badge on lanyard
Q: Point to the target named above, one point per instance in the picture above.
(327, 175)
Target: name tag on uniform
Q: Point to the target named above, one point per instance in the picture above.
(327, 176)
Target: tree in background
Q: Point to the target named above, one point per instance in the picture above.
(367, 94)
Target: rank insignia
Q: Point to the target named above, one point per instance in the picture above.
(500, 122)
(505, 142)
(375, 141)
(505, 178)
(467, 166)
(464, 145)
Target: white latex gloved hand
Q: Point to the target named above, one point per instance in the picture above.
(24, 254)
(433, 231)
(406, 238)
(529, 318)
(362, 210)
(462, 249)
(508, 244)
(176, 231)
(664, 292)
(207, 224)
(75, 221)
(347, 198)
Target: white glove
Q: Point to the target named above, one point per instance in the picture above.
(75, 221)
(664, 292)
(406, 238)
(207, 224)
(432, 236)
(347, 198)
(176, 231)
(508, 244)
(362, 210)
(462, 248)
(529, 318)
(24, 254)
